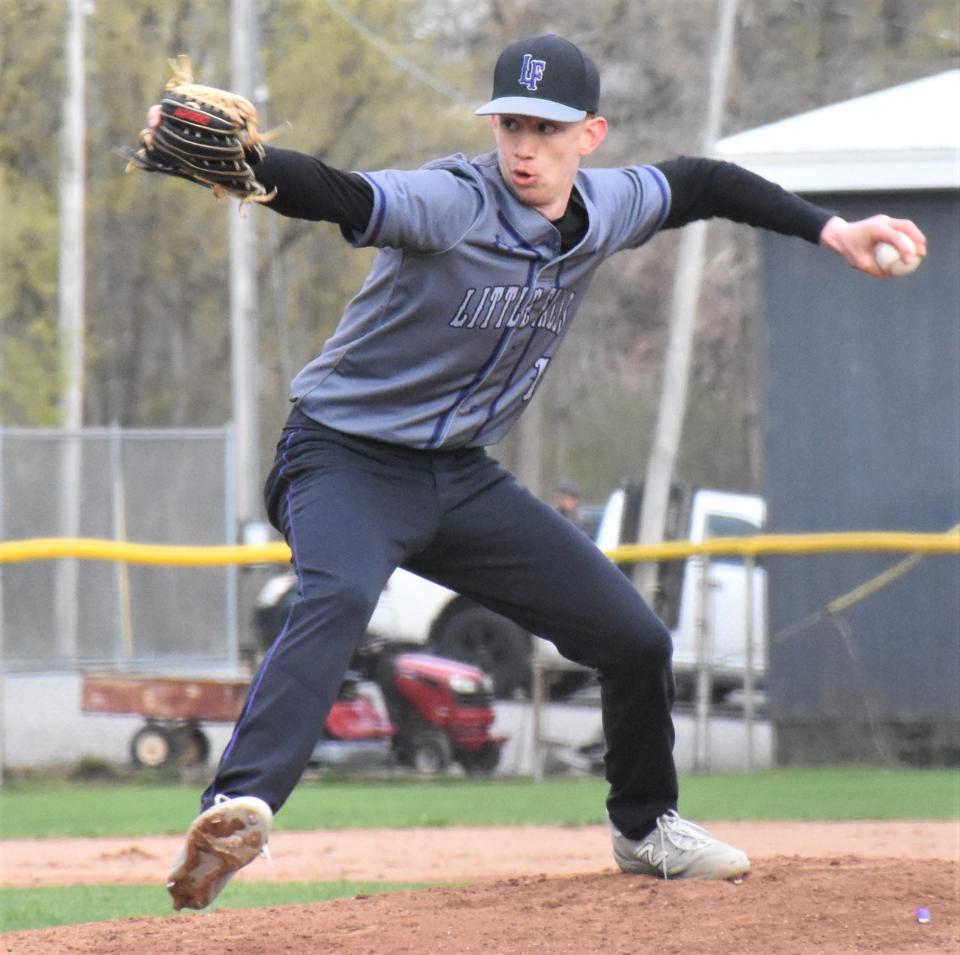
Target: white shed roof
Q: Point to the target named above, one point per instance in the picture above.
(904, 137)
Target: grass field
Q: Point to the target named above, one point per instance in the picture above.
(53, 809)
(44, 907)
(46, 809)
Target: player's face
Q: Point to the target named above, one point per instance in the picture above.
(539, 158)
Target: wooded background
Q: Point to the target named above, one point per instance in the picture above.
(392, 84)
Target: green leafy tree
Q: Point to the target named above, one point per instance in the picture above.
(29, 353)
(380, 83)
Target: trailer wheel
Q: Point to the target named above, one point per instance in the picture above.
(153, 746)
(193, 747)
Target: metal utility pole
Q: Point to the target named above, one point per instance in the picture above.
(686, 294)
(243, 295)
(71, 319)
(72, 175)
(3, 669)
(530, 430)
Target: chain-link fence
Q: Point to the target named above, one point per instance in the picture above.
(162, 486)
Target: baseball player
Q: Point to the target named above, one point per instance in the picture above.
(483, 265)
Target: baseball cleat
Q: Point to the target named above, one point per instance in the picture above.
(220, 841)
(677, 849)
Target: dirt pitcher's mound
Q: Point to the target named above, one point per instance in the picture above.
(786, 907)
(823, 889)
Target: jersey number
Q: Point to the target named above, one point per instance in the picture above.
(539, 367)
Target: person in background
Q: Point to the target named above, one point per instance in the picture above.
(566, 499)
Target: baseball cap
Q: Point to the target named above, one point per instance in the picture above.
(547, 77)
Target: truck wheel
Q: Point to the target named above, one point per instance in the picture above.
(153, 746)
(482, 761)
(494, 644)
(685, 687)
(564, 684)
(427, 751)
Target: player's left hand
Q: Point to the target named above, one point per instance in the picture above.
(855, 241)
(203, 134)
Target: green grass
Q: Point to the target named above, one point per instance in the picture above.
(22, 909)
(824, 794)
(34, 809)
(45, 809)
(38, 810)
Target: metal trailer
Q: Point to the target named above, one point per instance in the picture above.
(174, 709)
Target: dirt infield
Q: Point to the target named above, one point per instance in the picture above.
(836, 888)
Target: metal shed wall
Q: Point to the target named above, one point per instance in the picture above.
(861, 431)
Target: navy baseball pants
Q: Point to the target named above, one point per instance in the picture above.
(353, 510)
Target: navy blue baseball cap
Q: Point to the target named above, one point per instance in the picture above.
(547, 77)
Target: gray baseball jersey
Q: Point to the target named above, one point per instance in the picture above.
(466, 302)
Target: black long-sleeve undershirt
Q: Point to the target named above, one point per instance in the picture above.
(308, 188)
(710, 188)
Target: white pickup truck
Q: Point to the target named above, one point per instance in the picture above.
(681, 597)
(414, 612)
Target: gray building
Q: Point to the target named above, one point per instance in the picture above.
(861, 431)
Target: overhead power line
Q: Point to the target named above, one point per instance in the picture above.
(400, 62)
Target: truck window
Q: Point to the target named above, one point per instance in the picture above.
(726, 525)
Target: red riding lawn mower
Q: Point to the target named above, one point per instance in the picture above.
(412, 709)
(431, 712)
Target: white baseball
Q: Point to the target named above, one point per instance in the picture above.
(888, 257)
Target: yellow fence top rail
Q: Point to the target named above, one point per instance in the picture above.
(87, 548)
(836, 542)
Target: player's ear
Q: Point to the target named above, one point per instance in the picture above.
(594, 132)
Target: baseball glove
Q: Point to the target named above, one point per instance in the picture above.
(206, 135)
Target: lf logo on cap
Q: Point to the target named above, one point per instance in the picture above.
(531, 72)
